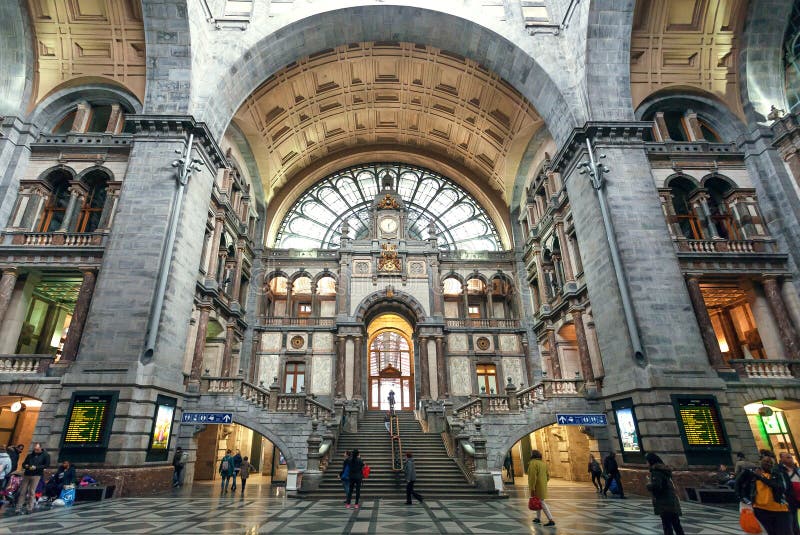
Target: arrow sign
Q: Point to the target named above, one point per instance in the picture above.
(207, 417)
(592, 420)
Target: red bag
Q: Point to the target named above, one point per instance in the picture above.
(796, 489)
(534, 503)
(748, 521)
(365, 471)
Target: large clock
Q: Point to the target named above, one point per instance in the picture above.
(388, 225)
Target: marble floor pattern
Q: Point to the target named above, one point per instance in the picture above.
(202, 510)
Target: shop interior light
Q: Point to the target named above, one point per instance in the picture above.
(17, 406)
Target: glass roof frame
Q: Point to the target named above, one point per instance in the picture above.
(315, 219)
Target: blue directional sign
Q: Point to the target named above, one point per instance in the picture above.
(207, 417)
(598, 420)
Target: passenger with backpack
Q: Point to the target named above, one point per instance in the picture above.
(613, 475)
(226, 470)
(237, 466)
(665, 500)
(344, 475)
(356, 473)
(178, 466)
(596, 471)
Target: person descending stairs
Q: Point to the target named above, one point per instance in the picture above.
(438, 476)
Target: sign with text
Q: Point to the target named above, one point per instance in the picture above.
(207, 417)
(598, 420)
(89, 419)
(701, 423)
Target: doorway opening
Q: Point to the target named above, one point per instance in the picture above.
(773, 423)
(390, 363)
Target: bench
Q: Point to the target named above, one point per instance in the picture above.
(94, 493)
(711, 495)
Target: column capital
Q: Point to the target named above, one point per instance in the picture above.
(602, 132)
(11, 270)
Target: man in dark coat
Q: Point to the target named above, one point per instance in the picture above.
(178, 465)
(356, 466)
(34, 465)
(411, 478)
(612, 474)
(665, 501)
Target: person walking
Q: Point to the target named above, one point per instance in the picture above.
(665, 500)
(237, 467)
(244, 471)
(226, 470)
(344, 475)
(611, 469)
(178, 466)
(596, 471)
(356, 467)
(391, 401)
(791, 476)
(33, 466)
(411, 478)
(765, 489)
(537, 484)
(5, 467)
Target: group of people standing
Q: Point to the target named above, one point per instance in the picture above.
(233, 467)
(772, 488)
(354, 470)
(33, 466)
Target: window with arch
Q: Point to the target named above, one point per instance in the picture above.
(315, 219)
(682, 125)
(55, 208)
(390, 369)
(91, 118)
(453, 297)
(89, 216)
(791, 57)
(301, 297)
(487, 378)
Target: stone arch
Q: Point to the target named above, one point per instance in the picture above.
(299, 274)
(453, 275)
(375, 302)
(684, 176)
(324, 273)
(761, 61)
(61, 167)
(60, 101)
(708, 106)
(388, 23)
(95, 168)
(506, 437)
(721, 177)
(17, 58)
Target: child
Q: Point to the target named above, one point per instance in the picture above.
(244, 471)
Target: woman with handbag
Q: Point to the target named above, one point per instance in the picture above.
(665, 501)
(764, 489)
(537, 484)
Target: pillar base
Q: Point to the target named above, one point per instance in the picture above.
(484, 481)
(311, 480)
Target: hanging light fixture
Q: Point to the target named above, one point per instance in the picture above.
(17, 406)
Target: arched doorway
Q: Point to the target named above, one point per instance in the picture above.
(390, 362)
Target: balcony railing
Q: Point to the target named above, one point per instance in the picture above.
(268, 399)
(309, 322)
(55, 239)
(725, 246)
(25, 363)
(513, 401)
(766, 368)
(483, 323)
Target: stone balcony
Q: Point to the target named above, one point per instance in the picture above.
(54, 239)
(292, 322)
(766, 369)
(483, 323)
(514, 402)
(25, 365)
(725, 246)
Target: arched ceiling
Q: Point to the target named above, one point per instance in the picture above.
(88, 38)
(687, 43)
(382, 94)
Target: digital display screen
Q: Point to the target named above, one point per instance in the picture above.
(774, 424)
(627, 430)
(162, 428)
(701, 422)
(87, 420)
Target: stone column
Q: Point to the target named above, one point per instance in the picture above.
(33, 210)
(358, 365)
(7, 283)
(703, 213)
(566, 261)
(704, 322)
(537, 260)
(227, 353)
(729, 330)
(583, 346)
(112, 198)
(441, 368)
(70, 350)
(489, 301)
(555, 361)
(200, 342)
(341, 356)
(77, 194)
(82, 115)
(434, 278)
(214, 257)
(237, 280)
(424, 375)
(529, 371)
(114, 119)
(791, 344)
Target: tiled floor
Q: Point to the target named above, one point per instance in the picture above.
(576, 508)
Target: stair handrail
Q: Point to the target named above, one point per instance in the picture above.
(397, 445)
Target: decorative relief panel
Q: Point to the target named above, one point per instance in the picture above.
(270, 341)
(76, 38)
(321, 369)
(386, 93)
(482, 343)
(267, 369)
(362, 267)
(417, 269)
(460, 376)
(296, 342)
(512, 367)
(457, 343)
(509, 343)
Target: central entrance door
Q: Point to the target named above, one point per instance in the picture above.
(391, 368)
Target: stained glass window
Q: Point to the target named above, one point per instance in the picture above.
(316, 218)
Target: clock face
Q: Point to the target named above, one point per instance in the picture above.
(388, 225)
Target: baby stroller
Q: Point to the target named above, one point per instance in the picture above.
(11, 493)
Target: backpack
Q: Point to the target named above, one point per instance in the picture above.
(226, 466)
(345, 471)
(184, 458)
(614, 487)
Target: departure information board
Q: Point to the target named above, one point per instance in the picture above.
(701, 422)
(87, 421)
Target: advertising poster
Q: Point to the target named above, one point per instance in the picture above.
(162, 428)
(627, 430)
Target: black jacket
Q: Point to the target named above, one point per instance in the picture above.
(610, 466)
(237, 461)
(178, 461)
(356, 469)
(35, 463)
(14, 455)
(786, 474)
(746, 485)
(65, 477)
(660, 486)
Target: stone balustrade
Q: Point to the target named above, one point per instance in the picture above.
(724, 246)
(25, 363)
(268, 399)
(483, 323)
(765, 368)
(54, 239)
(513, 401)
(308, 322)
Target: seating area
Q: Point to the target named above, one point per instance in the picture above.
(711, 495)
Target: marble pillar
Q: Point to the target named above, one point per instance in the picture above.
(70, 350)
(7, 283)
(583, 346)
(341, 354)
(424, 375)
(358, 365)
(704, 322)
(441, 368)
(788, 334)
(227, 354)
(200, 342)
(555, 361)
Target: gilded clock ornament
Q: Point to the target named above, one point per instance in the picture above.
(388, 203)
(389, 261)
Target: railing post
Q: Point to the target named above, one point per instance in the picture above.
(511, 392)
(274, 390)
(312, 476)
(205, 383)
(483, 478)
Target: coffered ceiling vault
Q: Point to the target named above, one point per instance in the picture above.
(688, 43)
(396, 94)
(88, 38)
